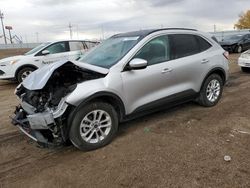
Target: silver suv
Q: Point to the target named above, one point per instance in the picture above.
(126, 76)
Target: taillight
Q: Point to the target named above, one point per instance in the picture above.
(226, 54)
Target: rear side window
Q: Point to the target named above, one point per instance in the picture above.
(203, 44)
(91, 44)
(76, 46)
(184, 45)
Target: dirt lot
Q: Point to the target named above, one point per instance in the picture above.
(181, 147)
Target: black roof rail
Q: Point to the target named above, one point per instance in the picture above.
(143, 33)
(176, 28)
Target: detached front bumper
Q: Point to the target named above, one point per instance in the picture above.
(21, 121)
(40, 127)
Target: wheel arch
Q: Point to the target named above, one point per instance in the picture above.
(104, 96)
(25, 66)
(218, 71)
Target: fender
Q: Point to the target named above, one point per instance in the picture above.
(111, 98)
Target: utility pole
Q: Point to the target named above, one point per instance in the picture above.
(1, 17)
(70, 30)
(9, 28)
(214, 28)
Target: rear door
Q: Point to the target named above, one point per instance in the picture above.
(191, 60)
(77, 48)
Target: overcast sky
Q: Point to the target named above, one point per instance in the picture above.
(97, 18)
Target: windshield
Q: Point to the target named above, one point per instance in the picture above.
(233, 37)
(110, 51)
(36, 49)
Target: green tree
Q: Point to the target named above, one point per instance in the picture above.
(244, 21)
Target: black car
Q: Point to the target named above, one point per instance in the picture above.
(236, 43)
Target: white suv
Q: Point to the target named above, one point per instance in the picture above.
(19, 67)
(126, 76)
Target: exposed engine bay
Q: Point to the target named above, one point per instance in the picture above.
(40, 113)
(63, 81)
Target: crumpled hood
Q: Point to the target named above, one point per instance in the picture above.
(38, 79)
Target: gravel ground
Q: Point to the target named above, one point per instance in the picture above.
(181, 147)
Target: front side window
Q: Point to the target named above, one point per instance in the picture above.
(184, 45)
(36, 49)
(248, 37)
(110, 51)
(58, 47)
(155, 51)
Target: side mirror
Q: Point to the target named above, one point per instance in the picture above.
(137, 63)
(45, 52)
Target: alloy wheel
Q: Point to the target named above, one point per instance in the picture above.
(213, 90)
(95, 126)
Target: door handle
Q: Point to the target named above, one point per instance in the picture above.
(166, 70)
(204, 61)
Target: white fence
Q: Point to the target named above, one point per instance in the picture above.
(221, 34)
(22, 45)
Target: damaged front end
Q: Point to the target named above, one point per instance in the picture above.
(43, 111)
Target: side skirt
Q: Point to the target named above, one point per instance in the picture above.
(161, 104)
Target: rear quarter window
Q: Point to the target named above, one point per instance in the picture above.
(203, 44)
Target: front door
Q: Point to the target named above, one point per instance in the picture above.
(141, 87)
(57, 51)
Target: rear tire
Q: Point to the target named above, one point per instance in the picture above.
(23, 73)
(211, 91)
(94, 126)
(245, 69)
(238, 49)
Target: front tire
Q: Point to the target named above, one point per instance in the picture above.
(211, 91)
(94, 126)
(23, 73)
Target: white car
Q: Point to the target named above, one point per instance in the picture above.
(244, 61)
(19, 67)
